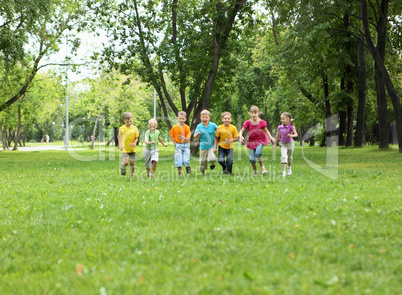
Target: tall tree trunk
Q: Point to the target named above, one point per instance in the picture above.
(361, 104)
(381, 66)
(349, 131)
(342, 127)
(96, 123)
(17, 132)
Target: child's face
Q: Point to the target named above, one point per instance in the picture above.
(254, 114)
(128, 121)
(285, 120)
(181, 119)
(227, 119)
(204, 118)
(152, 126)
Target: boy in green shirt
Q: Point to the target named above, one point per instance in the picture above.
(152, 136)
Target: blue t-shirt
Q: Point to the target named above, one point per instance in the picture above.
(207, 135)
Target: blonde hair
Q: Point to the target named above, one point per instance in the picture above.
(152, 121)
(225, 114)
(289, 116)
(183, 113)
(205, 112)
(254, 108)
(127, 115)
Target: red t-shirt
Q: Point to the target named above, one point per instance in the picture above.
(256, 134)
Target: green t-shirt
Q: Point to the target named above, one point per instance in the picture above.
(152, 136)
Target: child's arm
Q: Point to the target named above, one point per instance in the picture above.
(231, 140)
(135, 142)
(294, 133)
(161, 141)
(241, 135)
(146, 141)
(119, 140)
(269, 135)
(216, 139)
(174, 141)
(276, 140)
(197, 134)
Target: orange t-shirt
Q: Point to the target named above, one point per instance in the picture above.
(177, 130)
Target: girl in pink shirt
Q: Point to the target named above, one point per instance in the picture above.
(286, 132)
(258, 137)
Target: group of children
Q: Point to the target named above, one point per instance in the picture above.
(213, 139)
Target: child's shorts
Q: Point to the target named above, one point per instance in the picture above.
(151, 155)
(129, 155)
(287, 152)
(206, 156)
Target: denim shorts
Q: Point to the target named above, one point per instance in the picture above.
(182, 155)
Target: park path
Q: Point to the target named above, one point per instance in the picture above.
(46, 147)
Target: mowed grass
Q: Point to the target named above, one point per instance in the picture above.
(71, 224)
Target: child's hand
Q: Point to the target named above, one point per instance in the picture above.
(132, 144)
(228, 141)
(274, 147)
(165, 145)
(197, 134)
(215, 150)
(152, 142)
(273, 140)
(241, 139)
(289, 135)
(120, 148)
(181, 137)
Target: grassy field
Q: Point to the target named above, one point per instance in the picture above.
(71, 224)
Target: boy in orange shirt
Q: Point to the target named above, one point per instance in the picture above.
(128, 137)
(181, 134)
(225, 135)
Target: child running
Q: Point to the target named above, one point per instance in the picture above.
(128, 137)
(181, 134)
(286, 132)
(207, 131)
(226, 135)
(258, 135)
(152, 136)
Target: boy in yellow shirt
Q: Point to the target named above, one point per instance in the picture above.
(128, 137)
(225, 135)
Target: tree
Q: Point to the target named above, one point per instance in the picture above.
(41, 23)
(382, 74)
(188, 42)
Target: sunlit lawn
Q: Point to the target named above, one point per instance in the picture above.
(71, 224)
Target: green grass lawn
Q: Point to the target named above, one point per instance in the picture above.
(71, 224)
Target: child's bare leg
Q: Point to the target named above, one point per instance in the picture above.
(260, 161)
(284, 167)
(154, 163)
(179, 170)
(131, 168)
(254, 167)
(148, 169)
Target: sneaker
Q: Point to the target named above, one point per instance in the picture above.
(263, 171)
(225, 172)
(188, 170)
(123, 170)
(151, 175)
(284, 174)
(289, 171)
(212, 166)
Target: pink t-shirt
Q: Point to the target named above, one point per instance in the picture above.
(256, 134)
(285, 130)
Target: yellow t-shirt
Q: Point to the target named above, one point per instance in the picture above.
(128, 135)
(229, 133)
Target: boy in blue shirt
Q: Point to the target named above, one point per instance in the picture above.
(208, 150)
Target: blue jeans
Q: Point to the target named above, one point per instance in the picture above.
(182, 155)
(228, 163)
(256, 153)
